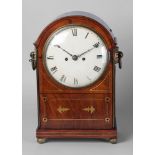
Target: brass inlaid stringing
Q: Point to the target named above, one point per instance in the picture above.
(107, 108)
(44, 104)
(107, 101)
(106, 90)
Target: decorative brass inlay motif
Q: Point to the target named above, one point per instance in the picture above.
(62, 109)
(44, 99)
(107, 99)
(90, 109)
(44, 119)
(107, 119)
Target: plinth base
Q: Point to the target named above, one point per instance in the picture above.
(44, 134)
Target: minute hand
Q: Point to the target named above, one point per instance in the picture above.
(86, 51)
(94, 46)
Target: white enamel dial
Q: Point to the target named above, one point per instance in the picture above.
(75, 56)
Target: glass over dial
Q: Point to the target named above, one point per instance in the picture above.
(75, 56)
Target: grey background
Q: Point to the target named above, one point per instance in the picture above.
(118, 15)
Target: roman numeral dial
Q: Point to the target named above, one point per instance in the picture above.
(75, 56)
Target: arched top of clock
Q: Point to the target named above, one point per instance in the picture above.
(75, 20)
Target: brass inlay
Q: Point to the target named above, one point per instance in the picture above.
(44, 105)
(44, 99)
(107, 99)
(107, 108)
(107, 119)
(90, 109)
(97, 119)
(87, 99)
(44, 119)
(62, 109)
(107, 90)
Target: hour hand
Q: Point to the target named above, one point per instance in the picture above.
(58, 46)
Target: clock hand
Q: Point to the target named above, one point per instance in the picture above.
(58, 46)
(94, 46)
(85, 52)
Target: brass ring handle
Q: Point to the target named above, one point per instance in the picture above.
(33, 60)
(118, 57)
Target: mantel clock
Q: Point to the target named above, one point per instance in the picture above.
(75, 59)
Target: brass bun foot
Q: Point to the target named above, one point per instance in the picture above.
(113, 141)
(41, 140)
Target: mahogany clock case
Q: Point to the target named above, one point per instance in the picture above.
(87, 112)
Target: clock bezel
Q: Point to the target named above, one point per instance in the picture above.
(83, 21)
(45, 51)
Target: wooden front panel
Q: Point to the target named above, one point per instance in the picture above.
(66, 111)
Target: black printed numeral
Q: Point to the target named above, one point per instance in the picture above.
(96, 68)
(63, 78)
(99, 56)
(74, 32)
(50, 57)
(54, 69)
(86, 35)
(75, 81)
(96, 45)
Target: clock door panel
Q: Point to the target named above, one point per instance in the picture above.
(69, 112)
